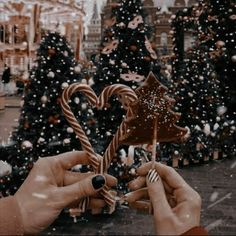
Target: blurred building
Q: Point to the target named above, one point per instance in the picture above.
(22, 25)
(106, 12)
(162, 25)
(92, 40)
(159, 14)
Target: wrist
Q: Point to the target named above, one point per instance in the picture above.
(22, 214)
(10, 217)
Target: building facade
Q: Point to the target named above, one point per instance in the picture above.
(22, 25)
(92, 40)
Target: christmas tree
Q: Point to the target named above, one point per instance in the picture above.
(197, 96)
(43, 129)
(202, 78)
(126, 57)
(217, 21)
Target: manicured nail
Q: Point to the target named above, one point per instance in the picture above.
(153, 176)
(98, 181)
(126, 197)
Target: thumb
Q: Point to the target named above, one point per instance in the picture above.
(84, 188)
(157, 196)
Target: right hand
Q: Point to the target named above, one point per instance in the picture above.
(51, 186)
(176, 205)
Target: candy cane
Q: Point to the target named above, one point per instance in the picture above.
(130, 95)
(118, 89)
(74, 123)
(81, 135)
(99, 102)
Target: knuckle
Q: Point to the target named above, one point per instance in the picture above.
(56, 163)
(47, 161)
(170, 170)
(83, 189)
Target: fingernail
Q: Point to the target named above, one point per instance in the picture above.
(98, 181)
(126, 196)
(153, 176)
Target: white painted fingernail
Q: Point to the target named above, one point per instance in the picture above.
(153, 176)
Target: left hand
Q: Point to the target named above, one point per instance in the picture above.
(50, 187)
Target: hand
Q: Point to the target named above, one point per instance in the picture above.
(50, 187)
(176, 205)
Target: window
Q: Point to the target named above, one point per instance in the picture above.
(2, 33)
(15, 33)
(164, 39)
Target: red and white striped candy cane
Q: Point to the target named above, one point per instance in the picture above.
(128, 95)
(92, 97)
(94, 160)
(118, 89)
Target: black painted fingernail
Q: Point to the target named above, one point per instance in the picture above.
(98, 181)
(153, 176)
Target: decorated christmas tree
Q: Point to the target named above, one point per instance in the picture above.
(203, 78)
(217, 30)
(43, 129)
(126, 57)
(197, 96)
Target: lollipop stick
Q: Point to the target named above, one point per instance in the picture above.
(101, 167)
(154, 142)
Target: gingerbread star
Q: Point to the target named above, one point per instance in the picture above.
(153, 106)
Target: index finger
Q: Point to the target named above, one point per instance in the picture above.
(70, 159)
(168, 174)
